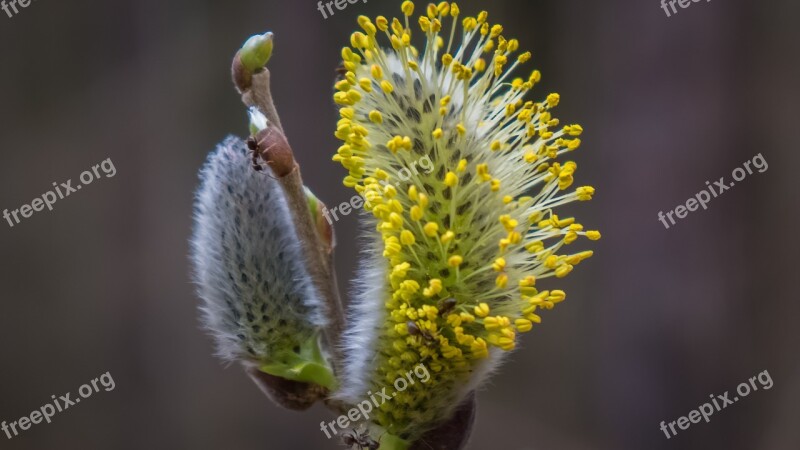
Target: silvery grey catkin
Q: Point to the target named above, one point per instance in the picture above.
(257, 299)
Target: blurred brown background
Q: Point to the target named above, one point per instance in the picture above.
(655, 322)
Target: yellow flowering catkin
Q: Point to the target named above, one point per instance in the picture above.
(459, 250)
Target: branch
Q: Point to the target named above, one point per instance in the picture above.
(252, 80)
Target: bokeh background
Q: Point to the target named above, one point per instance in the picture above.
(655, 322)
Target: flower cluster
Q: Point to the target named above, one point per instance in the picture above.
(460, 249)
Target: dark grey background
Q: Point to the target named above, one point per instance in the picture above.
(655, 322)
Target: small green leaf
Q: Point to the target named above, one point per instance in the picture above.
(392, 442)
(307, 366)
(313, 203)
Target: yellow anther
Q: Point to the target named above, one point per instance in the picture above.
(401, 329)
(434, 287)
(523, 325)
(389, 191)
(359, 40)
(423, 200)
(381, 174)
(382, 23)
(408, 8)
(342, 85)
(401, 270)
(454, 320)
(396, 220)
(341, 98)
(462, 165)
(391, 246)
(416, 213)
(455, 261)
(347, 53)
(432, 11)
(437, 133)
(447, 58)
(447, 237)
(479, 349)
(397, 44)
(347, 113)
(501, 281)
(375, 117)
(503, 244)
(366, 84)
(424, 24)
(578, 257)
(482, 310)
(354, 95)
(407, 238)
(553, 99)
(492, 323)
(387, 87)
(584, 193)
(593, 235)
(367, 25)
(483, 172)
(431, 229)
(573, 130)
(563, 270)
(451, 179)
(557, 296)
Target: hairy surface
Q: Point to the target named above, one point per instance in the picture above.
(464, 245)
(256, 295)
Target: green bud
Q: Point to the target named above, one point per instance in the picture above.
(255, 53)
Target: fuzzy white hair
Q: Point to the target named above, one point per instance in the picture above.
(256, 293)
